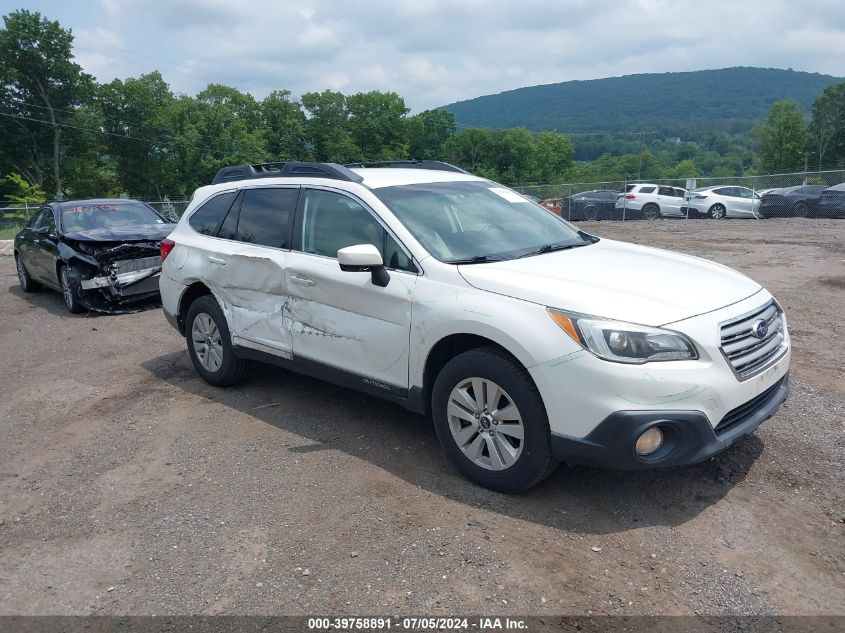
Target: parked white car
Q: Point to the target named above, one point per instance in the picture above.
(528, 341)
(721, 201)
(651, 201)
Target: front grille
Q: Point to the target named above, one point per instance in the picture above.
(744, 411)
(141, 263)
(746, 353)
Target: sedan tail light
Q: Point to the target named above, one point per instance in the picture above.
(166, 246)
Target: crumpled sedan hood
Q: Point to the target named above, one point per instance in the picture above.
(616, 280)
(151, 232)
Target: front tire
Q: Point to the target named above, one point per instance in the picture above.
(801, 210)
(592, 213)
(491, 421)
(69, 290)
(24, 278)
(210, 344)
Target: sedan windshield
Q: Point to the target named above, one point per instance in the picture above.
(84, 216)
(477, 221)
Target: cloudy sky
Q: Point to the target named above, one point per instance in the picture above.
(434, 52)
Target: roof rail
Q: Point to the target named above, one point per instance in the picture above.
(411, 164)
(287, 169)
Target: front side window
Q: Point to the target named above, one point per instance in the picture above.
(466, 220)
(332, 221)
(266, 215)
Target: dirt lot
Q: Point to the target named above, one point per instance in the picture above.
(129, 486)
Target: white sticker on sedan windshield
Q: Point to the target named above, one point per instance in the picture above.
(507, 194)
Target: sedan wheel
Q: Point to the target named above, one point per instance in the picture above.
(26, 282)
(208, 345)
(801, 210)
(486, 423)
(717, 211)
(591, 213)
(69, 293)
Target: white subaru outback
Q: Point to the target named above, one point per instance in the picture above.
(528, 341)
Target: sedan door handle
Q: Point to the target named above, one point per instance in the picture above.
(216, 260)
(302, 281)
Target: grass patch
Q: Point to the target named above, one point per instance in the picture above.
(8, 234)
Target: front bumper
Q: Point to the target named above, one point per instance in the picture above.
(688, 435)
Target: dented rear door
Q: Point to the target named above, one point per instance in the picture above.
(245, 268)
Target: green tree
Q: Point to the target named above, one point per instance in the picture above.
(376, 125)
(327, 127)
(20, 190)
(554, 153)
(428, 133)
(39, 85)
(782, 138)
(827, 125)
(284, 127)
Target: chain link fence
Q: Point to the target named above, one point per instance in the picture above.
(14, 215)
(807, 194)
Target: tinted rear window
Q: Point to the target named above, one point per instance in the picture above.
(207, 218)
(647, 189)
(266, 215)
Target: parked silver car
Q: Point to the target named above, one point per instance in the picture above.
(651, 201)
(721, 201)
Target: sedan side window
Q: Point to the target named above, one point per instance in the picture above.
(35, 220)
(331, 221)
(48, 220)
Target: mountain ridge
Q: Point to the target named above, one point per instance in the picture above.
(724, 99)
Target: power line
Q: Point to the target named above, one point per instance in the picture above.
(126, 136)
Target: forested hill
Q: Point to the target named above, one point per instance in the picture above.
(729, 99)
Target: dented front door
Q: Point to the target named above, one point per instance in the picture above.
(342, 320)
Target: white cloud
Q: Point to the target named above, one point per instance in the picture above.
(439, 51)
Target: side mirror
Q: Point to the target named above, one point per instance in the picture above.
(43, 230)
(364, 258)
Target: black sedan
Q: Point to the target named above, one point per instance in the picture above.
(591, 205)
(102, 255)
(832, 202)
(800, 201)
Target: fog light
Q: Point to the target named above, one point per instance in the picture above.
(649, 441)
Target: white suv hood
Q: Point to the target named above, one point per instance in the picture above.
(616, 280)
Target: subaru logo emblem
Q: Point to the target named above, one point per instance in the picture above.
(760, 329)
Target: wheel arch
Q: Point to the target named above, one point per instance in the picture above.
(448, 348)
(192, 293)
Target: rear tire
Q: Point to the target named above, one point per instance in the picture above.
(26, 282)
(69, 292)
(591, 213)
(651, 211)
(717, 212)
(507, 447)
(210, 344)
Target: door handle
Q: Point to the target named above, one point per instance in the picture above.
(216, 260)
(302, 281)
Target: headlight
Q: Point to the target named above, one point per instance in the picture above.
(624, 342)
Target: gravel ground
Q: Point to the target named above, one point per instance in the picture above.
(129, 486)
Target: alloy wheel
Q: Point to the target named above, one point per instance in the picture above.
(22, 278)
(485, 423)
(67, 291)
(207, 342)
(717, 212)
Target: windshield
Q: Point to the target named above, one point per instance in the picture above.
(84, 216)
(476, 220)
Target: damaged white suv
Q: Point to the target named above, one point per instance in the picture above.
(528, 341)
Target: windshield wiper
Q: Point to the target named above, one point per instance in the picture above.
(557, 246)
(478, 259)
